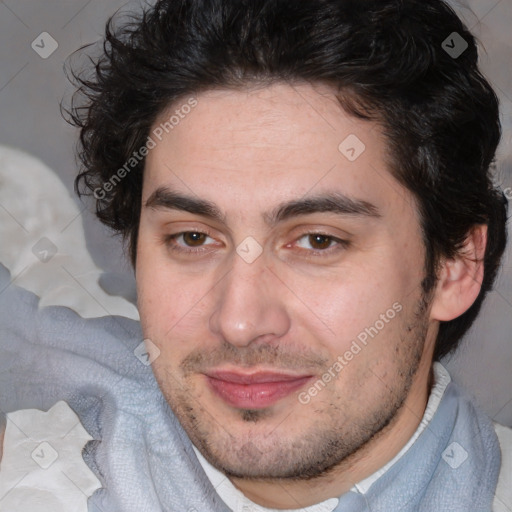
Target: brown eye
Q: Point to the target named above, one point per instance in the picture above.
(194, 239)
(190, 243)
(320, 242)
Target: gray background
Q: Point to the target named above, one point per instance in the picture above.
(32, 87)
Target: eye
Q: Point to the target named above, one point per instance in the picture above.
(193, 238)
(319, 243)
(316, 241)
(188, 241)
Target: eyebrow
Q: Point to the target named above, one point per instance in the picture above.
(331, 202)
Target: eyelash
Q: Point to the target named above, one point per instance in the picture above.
(170, 242)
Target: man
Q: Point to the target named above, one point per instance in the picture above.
(305, 189)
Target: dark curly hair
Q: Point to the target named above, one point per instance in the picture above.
(390, 61)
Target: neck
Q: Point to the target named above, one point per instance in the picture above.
(375, 454)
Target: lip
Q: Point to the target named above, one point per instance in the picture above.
(255, 390)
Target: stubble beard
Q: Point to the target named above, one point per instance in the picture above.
(330, 441)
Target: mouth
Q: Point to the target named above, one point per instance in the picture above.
(254, 390)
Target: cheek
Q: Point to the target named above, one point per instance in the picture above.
(166, 302)
(350, 301)
(171, 303)
(156, 292)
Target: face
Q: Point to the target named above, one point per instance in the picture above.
(278, 274)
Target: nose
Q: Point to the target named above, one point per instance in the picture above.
(248, 306)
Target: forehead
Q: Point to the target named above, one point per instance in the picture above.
(246, 149)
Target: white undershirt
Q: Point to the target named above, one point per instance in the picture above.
(237, 502)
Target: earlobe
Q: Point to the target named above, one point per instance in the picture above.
(460, 278)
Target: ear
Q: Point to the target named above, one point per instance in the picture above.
(460, 278)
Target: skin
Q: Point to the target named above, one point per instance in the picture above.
(301, 303)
